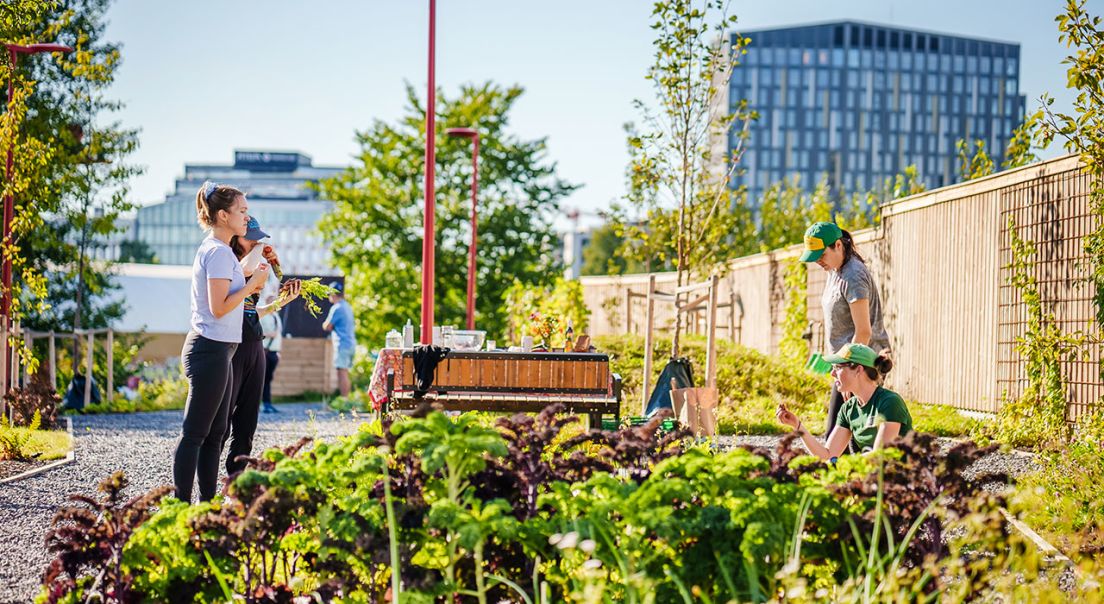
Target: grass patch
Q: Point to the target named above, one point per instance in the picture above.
(1065, 499)
(941, 420)
(43, 444)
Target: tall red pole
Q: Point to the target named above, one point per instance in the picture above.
(9, 210)
(9, 203)
(474, 230)
(430, 159)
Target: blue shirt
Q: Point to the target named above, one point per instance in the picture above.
(341, 318)
(215, 260)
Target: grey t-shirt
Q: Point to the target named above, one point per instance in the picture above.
(215, 260)
(850, 283)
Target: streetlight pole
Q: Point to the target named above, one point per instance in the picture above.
(472, 134)
(14, 50)
(429, 233)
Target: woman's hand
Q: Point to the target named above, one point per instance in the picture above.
(288, 291)
(786, 417)
(257, 281)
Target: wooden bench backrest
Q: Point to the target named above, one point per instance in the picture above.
(544, 372)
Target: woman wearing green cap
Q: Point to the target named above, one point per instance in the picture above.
(851, 304)
(873, 418)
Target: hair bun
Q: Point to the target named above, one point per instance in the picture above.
(884, 364)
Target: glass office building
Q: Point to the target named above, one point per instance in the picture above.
(856, 103)
(279, 196)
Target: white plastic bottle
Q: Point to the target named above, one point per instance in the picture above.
(408, 335)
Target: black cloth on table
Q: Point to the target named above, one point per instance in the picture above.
(425, 363)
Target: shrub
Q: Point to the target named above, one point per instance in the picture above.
(38, 397)
(157, 395)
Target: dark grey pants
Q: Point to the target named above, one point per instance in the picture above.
(245, 402)
(835, 401)
(207, 367)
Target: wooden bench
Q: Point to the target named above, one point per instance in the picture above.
(512, 382)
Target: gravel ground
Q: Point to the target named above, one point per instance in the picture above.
(140, 444)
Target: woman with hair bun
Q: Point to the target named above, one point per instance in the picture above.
(851, 304)
(219, 289)
(872, 419)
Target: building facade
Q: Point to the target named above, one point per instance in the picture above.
(857, 103)
(277, 184)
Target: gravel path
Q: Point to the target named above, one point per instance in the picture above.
(140, 444)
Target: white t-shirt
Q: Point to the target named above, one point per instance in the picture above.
(215, 260)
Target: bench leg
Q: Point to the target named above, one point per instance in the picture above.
(595, 420)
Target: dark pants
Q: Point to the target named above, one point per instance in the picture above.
(208, 369)
(835, 401)
(249, 372)
(272, 359)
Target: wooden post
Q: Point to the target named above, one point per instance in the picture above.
(732, 316)
(53, 360)
(29, 337)
(628, 310)
(711, 350)
(88, 369)
(110, 365)
(650, 318)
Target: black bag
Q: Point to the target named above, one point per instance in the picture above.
(678, 370)
(74, 395)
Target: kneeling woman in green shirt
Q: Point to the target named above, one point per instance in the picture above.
(871, 419)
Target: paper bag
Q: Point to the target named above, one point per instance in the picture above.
(696, 408)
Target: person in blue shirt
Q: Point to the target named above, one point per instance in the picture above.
(340, 321)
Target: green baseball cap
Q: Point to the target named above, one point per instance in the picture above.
(853, 353)
(817, 238)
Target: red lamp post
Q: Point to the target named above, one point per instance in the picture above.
(14, 50)
(428, 232)
(472, 134)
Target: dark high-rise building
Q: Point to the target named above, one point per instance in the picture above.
(857, 103)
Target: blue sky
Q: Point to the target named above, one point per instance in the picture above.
(203, 77)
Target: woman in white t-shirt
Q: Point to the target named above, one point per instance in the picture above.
(219, 288)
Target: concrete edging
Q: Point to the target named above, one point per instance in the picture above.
(69, 458)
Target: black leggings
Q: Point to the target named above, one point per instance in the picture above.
(272, 359)
(207, 367)
(249, 374)
(835, 401)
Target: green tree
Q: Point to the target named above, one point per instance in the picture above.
(71, 180)
(601, 257)
(973, 160)
(375, 228)
(679, 188)
(1028, 138)
(138, 251)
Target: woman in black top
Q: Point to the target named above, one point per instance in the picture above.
(249, 359)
